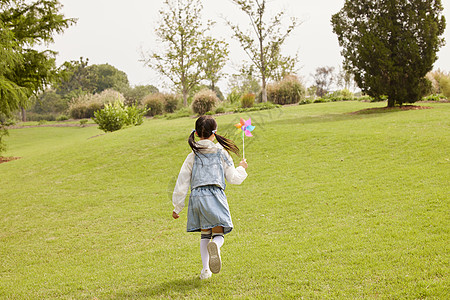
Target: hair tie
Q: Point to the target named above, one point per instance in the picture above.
(214, 131)
(193, 130)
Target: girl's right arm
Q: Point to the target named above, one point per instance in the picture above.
(234, 175)
(182, 186)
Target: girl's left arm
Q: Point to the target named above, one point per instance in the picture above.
(182, 185)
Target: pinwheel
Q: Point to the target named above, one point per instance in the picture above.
(246, 129)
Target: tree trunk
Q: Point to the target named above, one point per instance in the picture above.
(263, 90)
(24, 114)
(391, 102)
(185, 96)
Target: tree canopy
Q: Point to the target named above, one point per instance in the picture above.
(184, 46)
(263, 43)
(23, 69)
(390, 45)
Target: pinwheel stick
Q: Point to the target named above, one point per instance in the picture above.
(245, 127)
(243, 145)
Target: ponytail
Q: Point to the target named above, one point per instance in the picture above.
(227, 144)
(194, 146)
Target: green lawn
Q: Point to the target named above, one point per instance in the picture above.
(336, 206)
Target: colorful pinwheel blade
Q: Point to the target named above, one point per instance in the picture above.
(249, 127)
(248, 133)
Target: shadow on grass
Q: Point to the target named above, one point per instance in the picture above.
(356, 115)
(174, 288)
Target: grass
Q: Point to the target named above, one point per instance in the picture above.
(336, 206)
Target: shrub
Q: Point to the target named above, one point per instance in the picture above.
(112, 117)
(117, 115)
(432, 98)
(170, 103)
(62, 118)
(91, 109)
(287, 91)
(85, 105)
(234, 96)
(135, 115)
(39, 117)
(220, 110)
(248, 100)
(154, 104)
(445, 86)
(83, 122)
(3, 133)
(204, 101)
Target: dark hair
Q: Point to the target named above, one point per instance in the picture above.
(205, 126)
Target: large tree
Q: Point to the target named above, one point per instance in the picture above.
(24, 69)
(390, 45)
(215, 53)
(181, 53)
(77, 77)
(263, 42)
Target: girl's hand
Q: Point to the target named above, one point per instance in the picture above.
(175, 215)
(243, 164)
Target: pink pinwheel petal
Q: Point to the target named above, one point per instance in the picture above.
(248, 122)
(248, 133)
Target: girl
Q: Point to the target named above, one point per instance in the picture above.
(205, 170)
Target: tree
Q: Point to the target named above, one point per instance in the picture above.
(182, 53)
(323, 79)
(390, 45)
(24, 25)
(76, 78)
(215, 54)
(263, 43)
(105, 76)
(73, 79)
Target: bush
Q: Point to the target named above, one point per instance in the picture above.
(204, 101)
(112, 117)
(445, 86)
(287, 91)
(170, 103)
(84, 106)
(135, 115)
(154, 104)
(91, 109)
(62, 118)
(234, 96)
(220, 110)
(248, 100)
(117, 115)
(3, 133)
(39, 117)
(434, 97)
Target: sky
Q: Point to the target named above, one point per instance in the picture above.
(118, 32)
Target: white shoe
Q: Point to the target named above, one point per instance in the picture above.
(215, 263)
(205, 274)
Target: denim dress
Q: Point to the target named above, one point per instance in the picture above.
(208, 206)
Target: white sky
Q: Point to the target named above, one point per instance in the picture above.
(114, 32)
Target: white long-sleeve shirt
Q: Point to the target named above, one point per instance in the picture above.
(232, 175)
